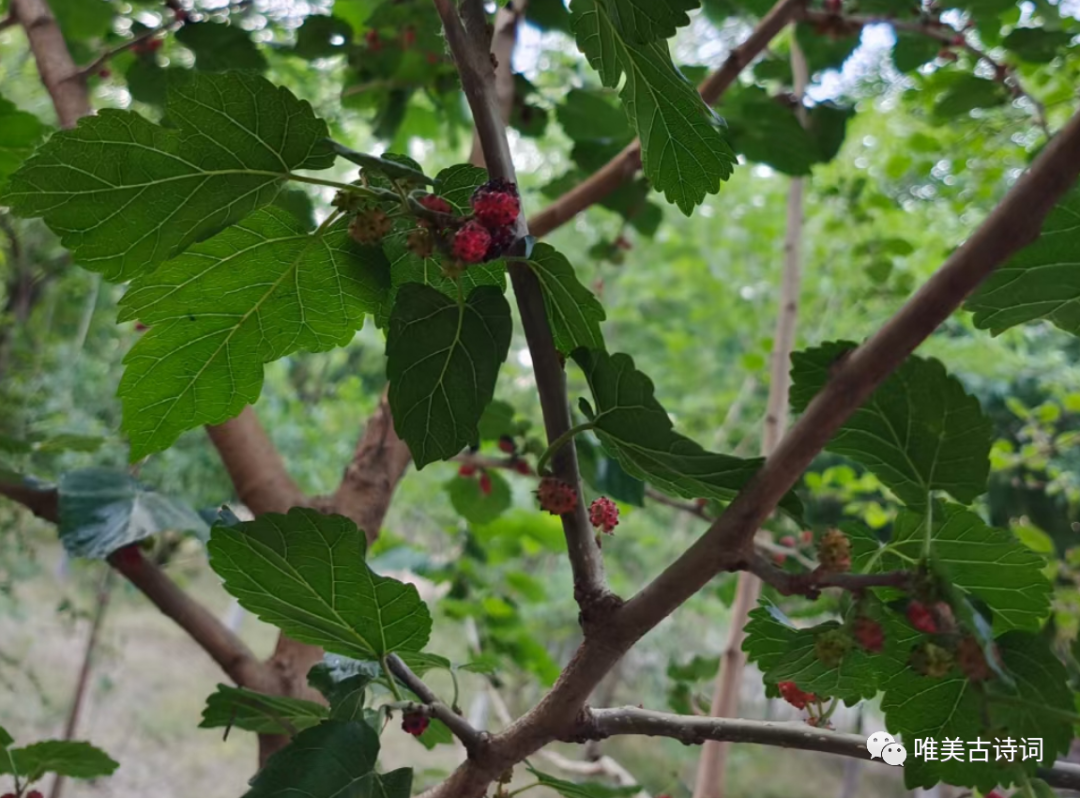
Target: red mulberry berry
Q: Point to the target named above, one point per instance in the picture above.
(485, 483)
(467, 470)
(435, 203)
(834, 551)
(502, 239)
(556, 496)
(408, 37)
(779, 557)
(791, 693)
(807, 536)
(34, 794)
(415, 723)
(496, 203)
(507, 445)
(369, 227)
(471, 243)
(788, 540)
(921, 617)
(604, 515)
(869, 634)
(522, 467)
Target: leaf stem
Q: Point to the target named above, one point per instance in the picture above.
(329, 220)
(559, 442)
(317, 181)
(928, 541)
(520, 790)
(390, 678)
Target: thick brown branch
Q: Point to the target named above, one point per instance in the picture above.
(55, 65)
(228, 650)
(257, 471)
(224, 647)
(471, 738)
(380, 461)
(626, 164)
(470, 52)
(601, 723)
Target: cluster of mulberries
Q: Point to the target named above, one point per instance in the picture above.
(486, 234)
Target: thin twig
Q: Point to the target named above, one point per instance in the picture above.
(692, 730)
(471, 738)
(810, 584)
(8, 22)
(95, 66)
(470, 51)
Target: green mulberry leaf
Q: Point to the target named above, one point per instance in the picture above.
(952, 707)
(259, 713)
(443, 358)
(636, 430)
(19, 134)
(335, 759)
(1041, 281)
(125, 194)
(72, 758)
(257, 291)
(682, 150)
(219, 46)
(644, 21)
(573, 311)
(918, 432)
(102, 510)
(988, 563)
(305, 573)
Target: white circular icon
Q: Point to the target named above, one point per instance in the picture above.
(894, 754)
(876, 741)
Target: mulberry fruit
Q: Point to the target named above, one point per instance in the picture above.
(831, 646)
(369, 227)
(604, 515)
(471, 243)
(496, 203)
(415, 723)
(869, 634)
(921, 617)
(834, 551)
(556, 496)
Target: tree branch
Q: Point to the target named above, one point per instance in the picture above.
(54, 62)
(471, 738)
(810, 584)
(369, 481)
(602, 723)
(470, 52)
(254, 464)
(223, 646)
(503, 41)
(94, 66)
(1012, 225)
(626, 164)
